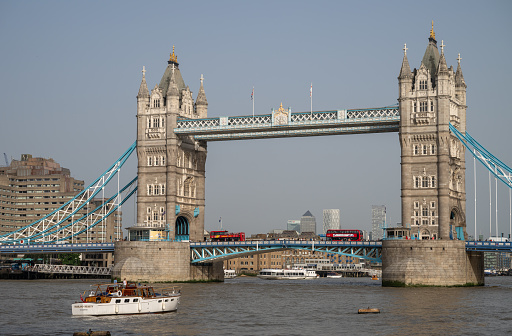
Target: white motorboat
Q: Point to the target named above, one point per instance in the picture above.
(229, 274)
(290, 274)
(333, 275)
(116, 299)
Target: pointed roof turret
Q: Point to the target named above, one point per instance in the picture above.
(442, 67)
(201, 95)
(172, 65)
(143, 89)
(431, 56)
(405, 71)
(459, 78)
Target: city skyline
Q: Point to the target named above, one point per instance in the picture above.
(71, 74)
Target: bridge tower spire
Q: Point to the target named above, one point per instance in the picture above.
(433, 162)
(171, 168)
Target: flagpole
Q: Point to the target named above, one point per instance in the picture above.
(311, 96)
(252, 98)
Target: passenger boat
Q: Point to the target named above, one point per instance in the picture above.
(290, 274)
(117, 299)
(229, 274)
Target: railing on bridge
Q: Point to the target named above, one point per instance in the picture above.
(68, 269)
(57, 248)
(373, 120)
(488, 246)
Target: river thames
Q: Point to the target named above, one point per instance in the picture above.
(252, 306)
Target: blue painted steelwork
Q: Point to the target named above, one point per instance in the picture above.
(182, 229)
(372, 120)
(57, 248)
(54, 226)
(492, 163)
(217, 251)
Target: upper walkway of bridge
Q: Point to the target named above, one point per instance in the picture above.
(283, 123)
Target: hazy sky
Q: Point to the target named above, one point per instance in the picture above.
(71, 71)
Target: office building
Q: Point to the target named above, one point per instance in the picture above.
(308, 223)
(293, 225)
(378, 222)
(331, 219)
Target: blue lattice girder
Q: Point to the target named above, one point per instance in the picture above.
(218, 251)
(499, 169)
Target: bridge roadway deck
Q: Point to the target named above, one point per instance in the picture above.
(202, 251)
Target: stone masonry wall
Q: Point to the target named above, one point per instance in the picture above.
(160, 262)
(430, 263)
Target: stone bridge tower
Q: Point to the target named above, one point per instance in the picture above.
(171, 168)
(433, 179)
(433, 161)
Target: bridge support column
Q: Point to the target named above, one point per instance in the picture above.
(430, 263)
(160, 261)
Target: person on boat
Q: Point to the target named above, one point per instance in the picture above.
(125, 282)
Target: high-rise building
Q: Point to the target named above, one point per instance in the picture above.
(331, 219)
(293, 225)
(378, 222)
(308, 223)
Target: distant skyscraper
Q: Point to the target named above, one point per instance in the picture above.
(293, 225)
(331, 219)
(378, 221)
(308, 223)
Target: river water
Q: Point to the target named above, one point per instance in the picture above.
(252, 306)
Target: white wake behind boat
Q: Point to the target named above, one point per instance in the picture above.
(116, 299)
(290, 274)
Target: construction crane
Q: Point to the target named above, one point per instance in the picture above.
(6, 161)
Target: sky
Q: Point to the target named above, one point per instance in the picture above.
(71, 71)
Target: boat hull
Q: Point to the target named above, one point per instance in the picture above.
(127, 305)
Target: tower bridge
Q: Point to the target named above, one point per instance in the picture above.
(172, 134)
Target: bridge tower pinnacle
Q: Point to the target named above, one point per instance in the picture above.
(171, 168)
(433, 161)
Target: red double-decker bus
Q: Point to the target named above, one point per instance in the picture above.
(226, 236)
(346, 235)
